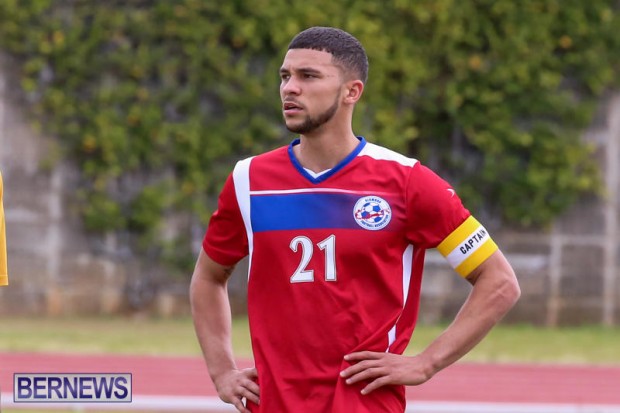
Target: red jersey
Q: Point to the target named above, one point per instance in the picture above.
(335, 266)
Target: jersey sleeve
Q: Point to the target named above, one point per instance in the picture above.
(225, 240)
(438, 219)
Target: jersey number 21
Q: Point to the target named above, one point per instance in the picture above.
(328, 246)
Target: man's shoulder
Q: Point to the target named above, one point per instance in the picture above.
(381, 153)
(264, 163)
(271, 155)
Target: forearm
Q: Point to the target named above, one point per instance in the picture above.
(212, 322)
(491, 298)
(495, 292)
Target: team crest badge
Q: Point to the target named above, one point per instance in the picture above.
(372, 212)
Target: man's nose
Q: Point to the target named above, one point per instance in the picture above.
(291, 86)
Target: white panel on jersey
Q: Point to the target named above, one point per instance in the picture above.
(241, 177)
(407, 265)
(381, 153)
(391, 337)
(316, 174)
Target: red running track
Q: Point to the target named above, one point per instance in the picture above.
(462, 382)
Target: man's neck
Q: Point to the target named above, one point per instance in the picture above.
(321, 152)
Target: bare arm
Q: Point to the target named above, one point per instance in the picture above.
(495, 290)
(212, 322)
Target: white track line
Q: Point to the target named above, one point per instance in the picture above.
(191, 403)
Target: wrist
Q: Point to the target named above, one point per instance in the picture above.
(218, 377)
(219, 372)
(430, 364)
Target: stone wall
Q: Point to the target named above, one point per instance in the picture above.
(569, 273)
(53, 268)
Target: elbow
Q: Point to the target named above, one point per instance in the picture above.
(504, 296)
(193, 291)
(191, 294)
(510, 291)
(507, 286)
(515, 291)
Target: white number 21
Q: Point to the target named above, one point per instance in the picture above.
(302, 274)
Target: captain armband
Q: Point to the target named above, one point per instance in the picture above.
(467, 246)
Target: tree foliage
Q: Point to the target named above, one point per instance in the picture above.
(154, 99)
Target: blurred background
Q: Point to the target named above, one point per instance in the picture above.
(120, 120)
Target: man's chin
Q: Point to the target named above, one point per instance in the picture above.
(295, 127)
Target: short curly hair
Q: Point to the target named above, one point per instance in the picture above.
(346, 50)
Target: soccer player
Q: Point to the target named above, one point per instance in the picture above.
(336, 229)
(4, 274)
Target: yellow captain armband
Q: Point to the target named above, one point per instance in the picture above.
(467, 246)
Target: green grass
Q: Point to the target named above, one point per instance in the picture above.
(529, 344)
(150, 336)
(120, 335)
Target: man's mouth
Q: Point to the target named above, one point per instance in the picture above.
(291, 107)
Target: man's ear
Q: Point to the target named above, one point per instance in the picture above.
(353, 92)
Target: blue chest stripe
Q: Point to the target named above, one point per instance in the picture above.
(302, 211)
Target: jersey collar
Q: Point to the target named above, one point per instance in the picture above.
(332, 171)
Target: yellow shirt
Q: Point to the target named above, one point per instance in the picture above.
(4, 274)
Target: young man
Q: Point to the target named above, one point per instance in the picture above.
(4, 274)
(336, 229)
